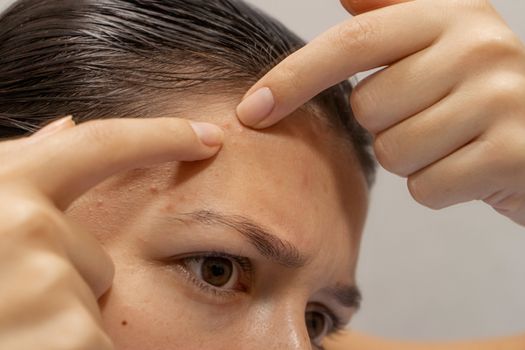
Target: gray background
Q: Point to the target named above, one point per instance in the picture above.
(456, 273)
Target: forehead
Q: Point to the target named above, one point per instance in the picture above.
(297, 178)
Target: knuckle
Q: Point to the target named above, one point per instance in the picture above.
(32, 220)
(179, 128)
(98, 132)
(505, 91)
(492, 43)
(501, 152)
(356, 34)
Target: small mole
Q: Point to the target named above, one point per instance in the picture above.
(124, 323)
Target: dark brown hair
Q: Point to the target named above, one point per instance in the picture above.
(111, 58)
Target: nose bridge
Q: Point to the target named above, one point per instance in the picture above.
(279, 326)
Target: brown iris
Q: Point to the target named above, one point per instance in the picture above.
(315, 324)
(216, 271)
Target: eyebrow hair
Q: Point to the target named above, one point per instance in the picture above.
(267, 243)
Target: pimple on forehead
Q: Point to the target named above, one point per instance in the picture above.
(154, 189)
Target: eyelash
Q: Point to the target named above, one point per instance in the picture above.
(243, 263)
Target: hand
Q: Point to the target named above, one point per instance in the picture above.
(448, 112)
(52, 272)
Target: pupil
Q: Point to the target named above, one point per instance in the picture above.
(217, 271)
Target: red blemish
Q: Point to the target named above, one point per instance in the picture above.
(154, 189)
(169, 207)
(100, 203)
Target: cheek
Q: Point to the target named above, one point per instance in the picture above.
(147, 308)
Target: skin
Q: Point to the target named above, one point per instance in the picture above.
(73, 270)
(304, 196)
(52, 269)
(448, 112)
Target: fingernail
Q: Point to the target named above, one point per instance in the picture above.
(210, 134)
(256, 107)
(55, 126)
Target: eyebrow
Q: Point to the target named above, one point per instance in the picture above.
(273, 248)
(347, 295)
(267, 243)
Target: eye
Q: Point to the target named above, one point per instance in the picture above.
(317, 326)
(216, 271)
(320, 322)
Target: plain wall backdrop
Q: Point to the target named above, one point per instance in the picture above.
(456, 273)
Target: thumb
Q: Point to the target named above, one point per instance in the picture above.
(357, 7)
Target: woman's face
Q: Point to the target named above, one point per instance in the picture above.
(254, 249)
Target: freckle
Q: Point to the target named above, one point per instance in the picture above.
(154, 189)
(124, 323)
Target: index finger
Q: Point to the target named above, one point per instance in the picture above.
(367, 41)
(67, 164)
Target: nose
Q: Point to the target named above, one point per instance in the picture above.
(282, 327)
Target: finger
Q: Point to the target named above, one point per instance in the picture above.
(56, 297)
(434, 133)
(475, 172)
(67, 165)
(367, 41)
(89, 258)
(357, 7)
(36, 226)
(404, 89)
